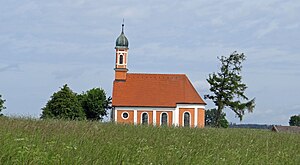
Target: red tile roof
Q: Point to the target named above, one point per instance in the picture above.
(154, 90)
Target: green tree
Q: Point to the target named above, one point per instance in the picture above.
(2, 107)
(210, 118)
(63, 105)
(295, 120)
(94, 103)
(227, 87)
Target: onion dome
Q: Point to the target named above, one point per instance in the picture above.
(122, 41)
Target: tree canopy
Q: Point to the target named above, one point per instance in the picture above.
(295, 120)
(63, 105)
(227, 87)
(66, 104)
(94, 103)
(2, 107)
(210, 118)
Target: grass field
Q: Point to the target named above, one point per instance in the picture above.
(28, 141)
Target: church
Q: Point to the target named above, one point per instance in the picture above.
(153, 99)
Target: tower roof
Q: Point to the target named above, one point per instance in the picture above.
(122, 41)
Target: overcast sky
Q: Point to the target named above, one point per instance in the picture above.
(46, 44)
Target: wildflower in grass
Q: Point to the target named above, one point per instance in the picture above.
(20, 139)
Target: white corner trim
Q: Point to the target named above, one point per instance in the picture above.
(196, 117)
(154, 117)
(116, 115)
(135, 117)
(173, 118)
(176, 116)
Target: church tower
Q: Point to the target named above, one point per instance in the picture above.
(121, 56)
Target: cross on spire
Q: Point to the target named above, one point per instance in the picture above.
(123, 26)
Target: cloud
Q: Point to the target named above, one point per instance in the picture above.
(293, 26)
(202, 86)
(12, 67)
(279, 115)
(271, 27)
(68, 74)
(63, 41)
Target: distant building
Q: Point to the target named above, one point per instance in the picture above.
(251, 126)
(291, 129)
(154, 99)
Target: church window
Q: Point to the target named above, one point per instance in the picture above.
(145, 118)
(164, 118)
(125, 115)
(121, 59)
(186, 119)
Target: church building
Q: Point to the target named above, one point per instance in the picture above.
(153, 99)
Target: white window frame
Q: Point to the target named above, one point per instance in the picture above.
(124, 54)
(119, 60)
(183, 118)
(160, 118)
(147, 117)
(127, 114)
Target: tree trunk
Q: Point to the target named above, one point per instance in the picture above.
(218, 116)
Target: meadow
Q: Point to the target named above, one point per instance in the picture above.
(32, 141)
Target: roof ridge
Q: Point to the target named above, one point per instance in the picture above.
(178, 74)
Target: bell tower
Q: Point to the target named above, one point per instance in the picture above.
(121, 56)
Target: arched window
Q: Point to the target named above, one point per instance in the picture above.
(164, 118)
(121, 59)
(145, 118)
(186, 119)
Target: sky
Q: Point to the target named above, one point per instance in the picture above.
(46, 44)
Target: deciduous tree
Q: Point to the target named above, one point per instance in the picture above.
(210, 118)
(63, 105)
(2, 107)
(227, 87)
(295, 120)
(94, 103)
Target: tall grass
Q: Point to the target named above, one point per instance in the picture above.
(28, 141)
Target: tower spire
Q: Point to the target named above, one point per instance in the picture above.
(121, 56)
(123, 26)
(122, 41)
